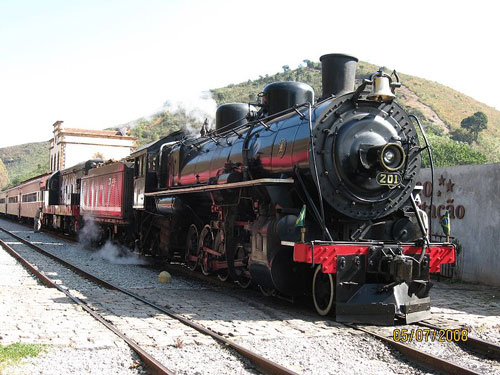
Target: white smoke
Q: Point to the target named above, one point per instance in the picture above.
(90, 232)
(200, 107)
(117, 254)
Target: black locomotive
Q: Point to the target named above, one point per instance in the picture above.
(296, 195)
(233, 200)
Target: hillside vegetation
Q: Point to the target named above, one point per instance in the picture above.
(452, 107)
(4, 175)
(25, 161)
(162, 124)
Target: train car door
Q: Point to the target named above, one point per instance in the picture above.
(139, 180)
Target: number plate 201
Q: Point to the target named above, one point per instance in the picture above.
(388, 179)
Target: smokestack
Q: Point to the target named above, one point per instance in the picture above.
(338, 73)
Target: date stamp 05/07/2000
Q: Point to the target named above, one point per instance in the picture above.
(423, 334)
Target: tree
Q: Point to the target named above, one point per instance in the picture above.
(475, 124)
(286, 68)
(462, 135)
(309, 63)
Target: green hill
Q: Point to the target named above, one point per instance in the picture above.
(161, 124)
(4, 175)
(25, 161)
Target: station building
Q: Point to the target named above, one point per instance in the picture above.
(70, 146)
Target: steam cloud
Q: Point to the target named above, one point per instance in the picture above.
(200, 107)
(117, 254)
(91, 234)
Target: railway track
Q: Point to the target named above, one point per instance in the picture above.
(264, 365)
(418, 356)
(414, 355)
(482, 347)
(430, 361)
(155, 366)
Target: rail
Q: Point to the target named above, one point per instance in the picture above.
(485, 348)
(418, 356)
(263, 364)
(268, 367)
(155, 366)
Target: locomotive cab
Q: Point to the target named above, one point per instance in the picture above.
(147, 169)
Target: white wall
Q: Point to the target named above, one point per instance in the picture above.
(472, 192)
(77, 153)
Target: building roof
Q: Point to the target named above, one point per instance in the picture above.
(95, 133)
(118, 133)
(90, 131)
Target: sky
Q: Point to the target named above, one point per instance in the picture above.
(96, 64)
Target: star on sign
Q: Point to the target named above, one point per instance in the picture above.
(442, 180)
(449, 186)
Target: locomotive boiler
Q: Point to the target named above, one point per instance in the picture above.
(299, 197)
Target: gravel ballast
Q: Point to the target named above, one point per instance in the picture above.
(282, 332)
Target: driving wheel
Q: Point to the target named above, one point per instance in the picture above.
(220, 247)
(206, 241)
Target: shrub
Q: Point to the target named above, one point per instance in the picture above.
(447, 152)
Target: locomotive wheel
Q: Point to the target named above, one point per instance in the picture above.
(268, 292)
(244, 279)
(223, 275)
(205, 269)
(192, 249)
(244, 282)
(220, 247)
(206, 240)
(323, 288)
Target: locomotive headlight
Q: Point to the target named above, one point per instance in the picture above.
(392, 157)
(389, 156)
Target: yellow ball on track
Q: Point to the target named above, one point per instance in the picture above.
(164, 277)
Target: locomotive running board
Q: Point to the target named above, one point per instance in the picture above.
(233, 185)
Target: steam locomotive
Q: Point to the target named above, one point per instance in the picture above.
(295, 195)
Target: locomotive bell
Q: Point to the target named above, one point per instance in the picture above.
(381, 88)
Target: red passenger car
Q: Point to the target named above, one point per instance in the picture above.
(106, 195)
